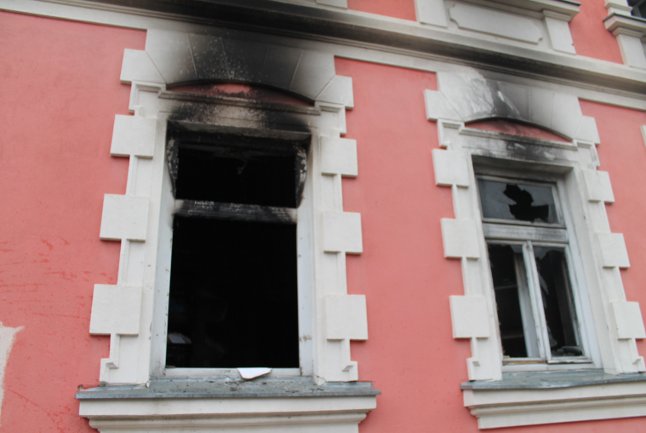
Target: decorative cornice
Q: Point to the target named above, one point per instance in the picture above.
(620, 23)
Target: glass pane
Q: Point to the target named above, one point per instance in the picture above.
(558, 306)
(517, 329)
(517, 201)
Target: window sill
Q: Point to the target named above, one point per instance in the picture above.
(178, 404)
(522, 398)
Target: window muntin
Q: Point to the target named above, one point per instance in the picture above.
(530, 271)
(233, 298)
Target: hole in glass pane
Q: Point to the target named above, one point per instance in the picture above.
(517, 201)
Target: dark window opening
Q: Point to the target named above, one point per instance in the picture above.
(227, 168)
(560, 315)
(638, 8)
(507, 287)
(518, 308)
(233, 300)
(233, 292)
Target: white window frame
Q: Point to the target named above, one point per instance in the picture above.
(508, 232)
(497, 396)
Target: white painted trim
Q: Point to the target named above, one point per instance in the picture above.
(7, 338)
(244, 415)
(609, 340)
(535, 24)
(630, 33)
(509, 408)
(325, 233)
(93, 12)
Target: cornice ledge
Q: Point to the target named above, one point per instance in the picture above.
(375, 32)
(620, 23)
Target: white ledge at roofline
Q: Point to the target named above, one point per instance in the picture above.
(376, 32)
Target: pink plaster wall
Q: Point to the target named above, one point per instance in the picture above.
(591, 39)
(404, 9)
(623, 154)
(410, 355)
(60, 91)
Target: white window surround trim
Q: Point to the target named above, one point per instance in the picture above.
(630, 32)
(527, 23)
(615, 322)
(137, 220)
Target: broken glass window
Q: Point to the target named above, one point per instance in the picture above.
(517, 201)
(529, 270)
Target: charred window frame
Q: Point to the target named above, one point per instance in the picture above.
(233, 298)
(532, 268)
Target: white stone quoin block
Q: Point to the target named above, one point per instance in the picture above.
(628, 320)
(598, 186)
(469, 317)
(451, 167)
(460, 238)
(133, 135)
(345, 317)
(342, 232)
(613, 250)
(339, 156)
(124, 217)
(137, 66)
(338, 91)
(115, 310)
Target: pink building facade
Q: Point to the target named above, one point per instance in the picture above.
(322, 216)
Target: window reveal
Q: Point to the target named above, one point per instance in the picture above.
(527, 248)
(233, 290)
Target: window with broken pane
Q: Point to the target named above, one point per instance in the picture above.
(233, 290)
(528, 249)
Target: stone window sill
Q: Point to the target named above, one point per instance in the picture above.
(214, 403)
(523, 398)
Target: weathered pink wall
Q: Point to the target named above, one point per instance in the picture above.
(60, 91)
(623, 154)
(591, 39)
(410, 355)
(404, 9)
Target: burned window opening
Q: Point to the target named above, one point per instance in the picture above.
(233, 300)
(228, 168)
(518, 201)
(233, 291)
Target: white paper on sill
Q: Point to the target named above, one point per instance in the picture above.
(254, 372)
